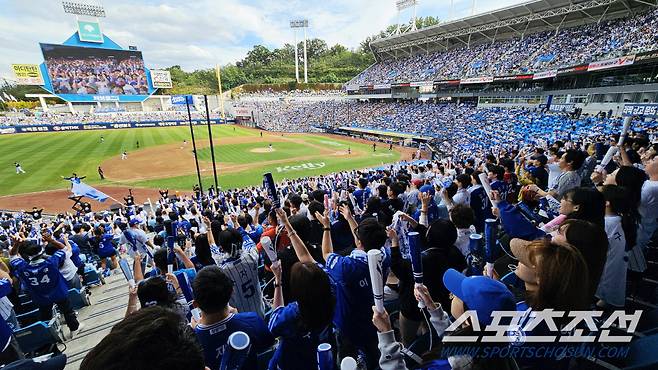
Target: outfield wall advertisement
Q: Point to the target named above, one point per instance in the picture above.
(23, 129)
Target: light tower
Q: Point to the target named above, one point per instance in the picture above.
(294, 24)
(401, 5)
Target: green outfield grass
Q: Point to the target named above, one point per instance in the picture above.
(48, 156)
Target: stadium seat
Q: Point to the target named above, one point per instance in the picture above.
(648, 324)
(78, 298)
(28, 318)
(91, 277)
(37, 337)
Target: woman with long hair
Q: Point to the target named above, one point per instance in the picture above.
(305, 322)
(585, 204)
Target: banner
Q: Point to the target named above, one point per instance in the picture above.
(447, 82)
(161, 79)
(477, 80)
(573, 69)
(546, 74)
(612, 63)
(382, 87)
(562, 108)
(90, 31)
(28, 74)
(242, 111)
(646, 110)
(19, 129)
(422, 83)
(513, 78)
(182, 99)
(646, 56)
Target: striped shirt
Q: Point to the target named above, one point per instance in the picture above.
(243, 270)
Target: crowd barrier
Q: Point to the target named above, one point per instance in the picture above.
(20, 129)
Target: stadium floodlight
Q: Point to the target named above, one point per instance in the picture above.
(404, 4)
(294, 24)
(401, 5)
(91, 10)
(299, 23)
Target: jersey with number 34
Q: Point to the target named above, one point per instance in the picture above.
(42, 280)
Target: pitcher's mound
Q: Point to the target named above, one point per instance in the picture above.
(262, 150)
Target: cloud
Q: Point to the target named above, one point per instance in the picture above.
(201, 33)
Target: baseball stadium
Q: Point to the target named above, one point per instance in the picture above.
(394, 185)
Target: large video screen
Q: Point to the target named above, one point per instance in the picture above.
(93, 71)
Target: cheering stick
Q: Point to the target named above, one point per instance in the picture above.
(236, 352)
(490, 244)
(268, 181)
(487, 187)
(125, 268)
(375, 258)
(613, 149)
(325, 357)
(416, 261)
(348, 363)
(269, 248)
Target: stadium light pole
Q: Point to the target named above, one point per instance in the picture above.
(305, 60)
(294, 24)
(404, 4)
(90, 10)
(212, 146)
(196, 158)
(221, 96)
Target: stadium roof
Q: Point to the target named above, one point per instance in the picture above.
(513, 21)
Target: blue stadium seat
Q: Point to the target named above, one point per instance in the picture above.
(28, 318)
(91, 277)
(78, 298)
(37, 336)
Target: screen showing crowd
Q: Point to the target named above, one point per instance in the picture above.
(93, 71)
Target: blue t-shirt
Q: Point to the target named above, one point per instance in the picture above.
(106, 246)
(43, 280)
(214, 338)
(5, 330)
(362, 196)
(297, 347)
(353, 316)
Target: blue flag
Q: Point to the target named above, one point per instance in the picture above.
(84, 190)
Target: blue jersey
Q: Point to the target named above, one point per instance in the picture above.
(106, 246)
(5, 330)
(362, 196)
(214, 338)
(297, 347)
(75, 254)
(353, 316)
(43, 280)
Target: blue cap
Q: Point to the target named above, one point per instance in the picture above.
(480, 293)
(427, 189)
(135, 221)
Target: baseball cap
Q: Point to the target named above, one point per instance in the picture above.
(135, 221)
(427, 189)
(479, 293)
(417, 182)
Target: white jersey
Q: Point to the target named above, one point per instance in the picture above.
(243, 270)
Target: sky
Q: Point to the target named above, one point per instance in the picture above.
(202, 33)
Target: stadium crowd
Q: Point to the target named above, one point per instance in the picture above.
(270, 93)
(533, 53)
(47, 118)
(102, 76)
(565, 230)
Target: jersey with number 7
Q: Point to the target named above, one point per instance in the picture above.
(42, 279)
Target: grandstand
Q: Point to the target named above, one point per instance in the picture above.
(590, 55)
(503, 165)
